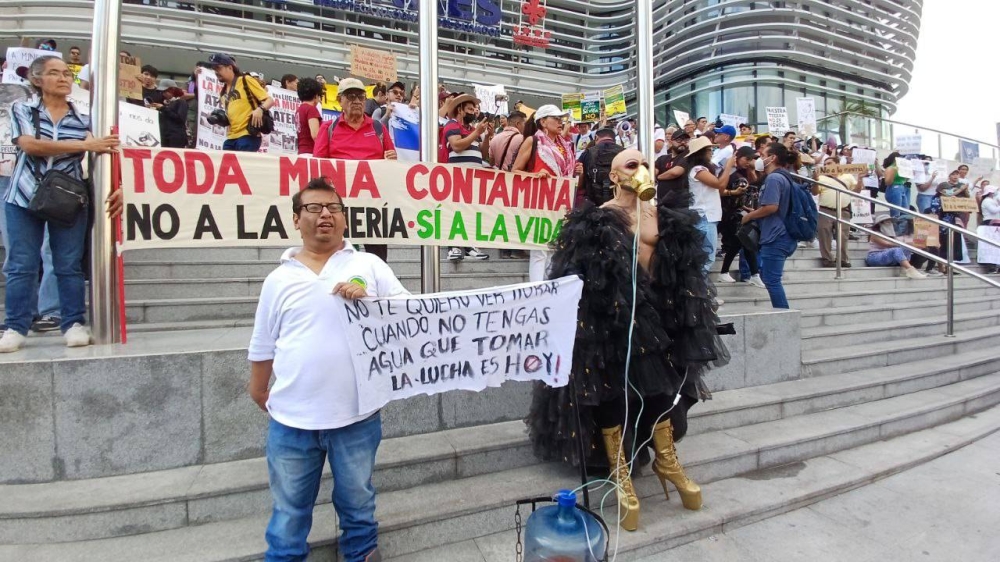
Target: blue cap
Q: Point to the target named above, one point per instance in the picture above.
(221, 59)
(726, 130)
(566, 498)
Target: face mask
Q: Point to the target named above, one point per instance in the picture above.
(641, 183)
(469, 118)
(758, 165)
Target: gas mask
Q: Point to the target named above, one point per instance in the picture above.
(641, 182)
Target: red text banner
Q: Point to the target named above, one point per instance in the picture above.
(189, 198)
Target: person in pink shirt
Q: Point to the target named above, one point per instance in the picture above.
(504, 146)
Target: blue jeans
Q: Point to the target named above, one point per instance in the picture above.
(772, 258)
(24, 255)
(48, 291)
(710, 245)
(887, 257)
(245, 143)
(295, 460)
(924, 202)
(897, 195)
(745, 266)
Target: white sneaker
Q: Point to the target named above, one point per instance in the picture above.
(475, 254)
(719, 302)
(756, 281)
(455, 254)
(11, 341)
(913, 273)
(726, 278)
(78, 335)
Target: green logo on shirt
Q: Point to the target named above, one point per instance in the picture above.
(359, 281)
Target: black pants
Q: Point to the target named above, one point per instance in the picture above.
(612, 414)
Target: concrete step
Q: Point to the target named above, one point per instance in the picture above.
(735, 502)
(822, 362)
(795, 287)
(852, 315)
(433, 515)
(832, 299)
(167, 499)
(264, 253)
(894, 330)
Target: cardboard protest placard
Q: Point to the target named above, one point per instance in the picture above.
(210, 137)
(807, 116)
(129, 77)
(925, 233)
(22, 57)
(191, 198)
(374, 64)
(614, 102)
(284, 139)
(572, 103)
(837, 169)
(462, 340)
(959, 205)
(590, 107)
(777, 120)
(138, 126)
(681, 117)
(909, 144)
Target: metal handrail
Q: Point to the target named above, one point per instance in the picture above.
(949, 262)
(884, 120)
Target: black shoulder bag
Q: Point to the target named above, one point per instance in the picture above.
(60, 197)
(267, 122)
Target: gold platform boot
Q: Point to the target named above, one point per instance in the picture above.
(667, 467)
(628, 501)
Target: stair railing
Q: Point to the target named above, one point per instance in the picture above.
(948, 262)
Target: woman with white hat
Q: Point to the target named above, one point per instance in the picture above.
(706, 187)
(989, 254)
(883, 253)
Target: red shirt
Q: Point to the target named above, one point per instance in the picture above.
(352, 144)
(303, 114)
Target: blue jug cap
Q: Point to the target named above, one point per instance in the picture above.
(566, 498)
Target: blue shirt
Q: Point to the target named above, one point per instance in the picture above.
(777, 190)
(73, 126)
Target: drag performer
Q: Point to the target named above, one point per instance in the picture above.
(673, 339)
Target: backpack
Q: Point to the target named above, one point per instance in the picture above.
(801, 216)
(376, 124)
(599, 157)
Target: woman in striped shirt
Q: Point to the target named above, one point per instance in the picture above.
(59, 143)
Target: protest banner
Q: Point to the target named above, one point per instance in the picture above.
(807, 116)
(492, 99)
(861, 211)
(988, 251)
(682, 118)
(925, 233)
(572, 103)
(404, 128)
(777, 120)
(22, 57)
(959, 205)
(138, 126)
(284, 139)
(210, 137)
(863, 156)
(920, 175)
(968, 151)
(129, 77)
(837, 169)
(909, 144)
(590, 107)
(733, 120)
(189, 198)
(982, 167)
(372, 63)
(9, 93)
(614, 102)
(463, 340)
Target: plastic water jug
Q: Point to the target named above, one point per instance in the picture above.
(563, 533)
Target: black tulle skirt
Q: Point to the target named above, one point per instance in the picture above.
(673, 339)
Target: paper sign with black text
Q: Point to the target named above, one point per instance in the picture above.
(138, 126)
(210, 137)
(777, 120)
(284, 139)
(909, 144)
(464, 340)
(9, 93)
(372, 63)
(18, 57)
(189, 198)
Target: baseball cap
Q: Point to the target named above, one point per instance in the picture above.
(350, 84)
(221, 59)
(680, 134)
(549, 110)
(397, 84)
(726, 130)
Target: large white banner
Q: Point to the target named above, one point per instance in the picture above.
(284, 139)
(807, 116)
(777, 120)
(468, 340)
(210, 137)
(191, 198)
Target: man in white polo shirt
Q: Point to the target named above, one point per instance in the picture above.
(313, 404)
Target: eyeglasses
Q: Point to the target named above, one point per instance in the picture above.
(399, 93)
(354, 96)
(317, 208)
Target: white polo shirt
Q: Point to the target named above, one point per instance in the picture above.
(299, 327)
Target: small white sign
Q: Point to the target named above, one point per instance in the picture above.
(807, 116)
(682, 118)
(777, 120)
(909, 144)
